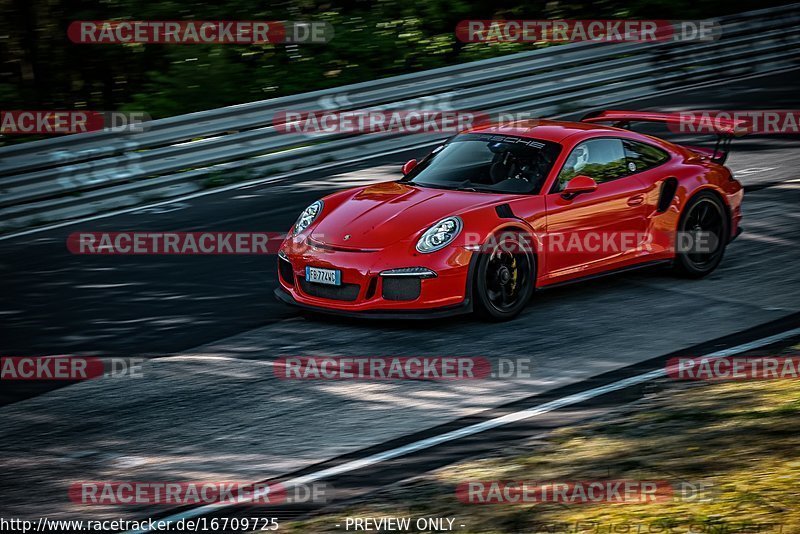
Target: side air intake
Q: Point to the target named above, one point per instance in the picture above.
(668, 189)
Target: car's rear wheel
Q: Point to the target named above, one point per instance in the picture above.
(504, 278)
(703, 232)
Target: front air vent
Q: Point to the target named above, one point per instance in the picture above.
(286, 271)
(401, 288)
(346, 292)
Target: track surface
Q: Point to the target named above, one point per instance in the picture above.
(215, 411)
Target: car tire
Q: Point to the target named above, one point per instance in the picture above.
(504, 277)
(705, 213)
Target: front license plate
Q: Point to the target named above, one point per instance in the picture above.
(332, 277)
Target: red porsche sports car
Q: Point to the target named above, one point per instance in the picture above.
(498, 212)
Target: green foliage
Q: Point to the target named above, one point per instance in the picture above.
(373, 39)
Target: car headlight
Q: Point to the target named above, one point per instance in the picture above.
(439, 235)
(308, 216)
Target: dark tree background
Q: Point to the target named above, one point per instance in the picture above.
(41, 69)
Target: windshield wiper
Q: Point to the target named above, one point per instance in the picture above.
(463, 186)
(425, 184)
(466, 185)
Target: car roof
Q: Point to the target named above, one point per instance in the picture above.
(544, 130)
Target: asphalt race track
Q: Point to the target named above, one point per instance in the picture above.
(210, 407)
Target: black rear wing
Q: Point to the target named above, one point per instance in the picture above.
(724, 129)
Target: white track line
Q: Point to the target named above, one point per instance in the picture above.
(480, 427)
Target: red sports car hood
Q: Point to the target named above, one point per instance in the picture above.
(378, 215)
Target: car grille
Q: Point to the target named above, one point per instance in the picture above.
(401, 288)
(348, 292)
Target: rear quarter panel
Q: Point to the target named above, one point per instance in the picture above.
(694, 174)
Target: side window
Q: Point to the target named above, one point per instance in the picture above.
(642, 156)
(601, 159)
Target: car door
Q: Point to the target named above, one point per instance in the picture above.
(598, 230)
(648, 163)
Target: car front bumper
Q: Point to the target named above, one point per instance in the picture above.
(427, 313)
(365, 292)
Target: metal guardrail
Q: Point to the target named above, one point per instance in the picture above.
(76, 175)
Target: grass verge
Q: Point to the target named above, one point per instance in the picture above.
(740, 441)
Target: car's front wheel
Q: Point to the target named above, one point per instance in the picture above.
(703, 232)
(504, 278)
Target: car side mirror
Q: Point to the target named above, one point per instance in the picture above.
(409, 166)
(578, 185)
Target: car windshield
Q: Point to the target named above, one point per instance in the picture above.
(487, 163)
